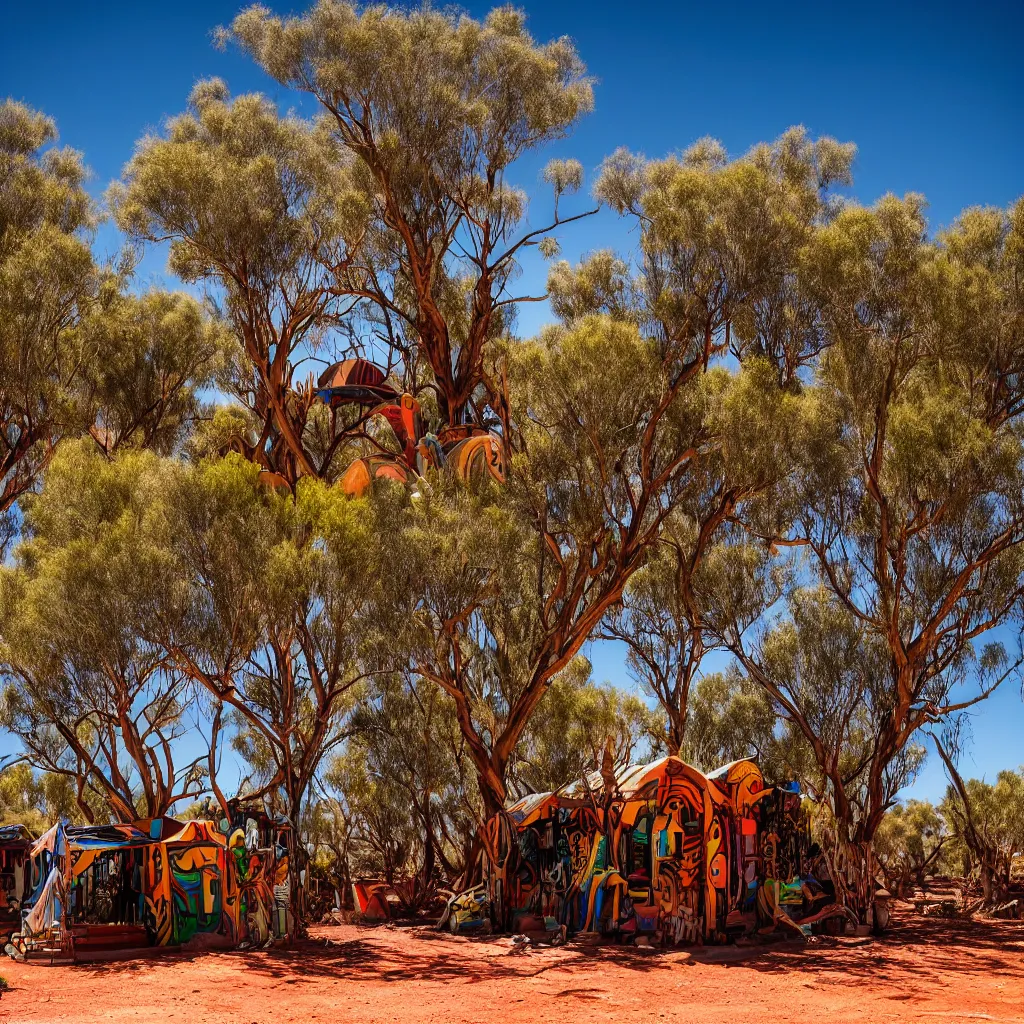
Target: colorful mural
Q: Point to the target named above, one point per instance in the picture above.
(157, 882)
(185, 887)
(665, 851)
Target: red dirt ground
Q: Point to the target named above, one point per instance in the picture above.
(923, 970)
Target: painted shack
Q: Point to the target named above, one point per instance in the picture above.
(155, 882)
(665, 851)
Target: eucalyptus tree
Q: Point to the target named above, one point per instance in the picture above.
(332, 831)
(708, 227)
(730, 717)
(434, 109)
(383, 835)
(259, 207)
(258, 601)
(271, 613)
(154, 356)
(386, 227)
(660, 623)
(89, 696)
(78, 352)
(404, 787)
(618, 415)
(909, 518)
(909, 842)
(413, 237)
(48, 284)
(986, 820)
(34, 799)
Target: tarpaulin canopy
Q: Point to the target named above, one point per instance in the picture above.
(197, 832)
(105, 837)
(48, 909)
(14, 834)
(721, 774)
(52, 841)
(529, 808)
(630, 779)
(87, 842)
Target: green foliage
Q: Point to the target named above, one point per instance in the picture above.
(39, 189)
(568, 738)
(731, 717)
(261, 207)
(905, 512)
(431, 79)
(909, 841)
(707, 288)
(76, 352)
(272, 612)
(384, 832)
(157, 353)
(35, 800)
(401, 784)
(722, 240)
(241, 191)
(145, 577)
(987, 823)
(48, 284)
(88, 691)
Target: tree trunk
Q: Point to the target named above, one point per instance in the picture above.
(297, 859)
(490, 778)
(427, 871)
(850, 866)
(676, 731)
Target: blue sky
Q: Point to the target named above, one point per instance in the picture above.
(932, 94)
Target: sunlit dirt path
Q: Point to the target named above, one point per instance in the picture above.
(929, 971)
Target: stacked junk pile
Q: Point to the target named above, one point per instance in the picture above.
(655, 854)
(79, 891)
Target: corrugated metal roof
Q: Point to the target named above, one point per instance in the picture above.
(15, 834)
(629, 779)
(721, 773)
(524, 807)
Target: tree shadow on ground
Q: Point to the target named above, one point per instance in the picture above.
(914, 951)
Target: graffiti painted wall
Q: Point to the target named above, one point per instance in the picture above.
(667, 852)
(158, 882)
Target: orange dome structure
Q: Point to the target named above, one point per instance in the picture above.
(478, 458)
(354, 381)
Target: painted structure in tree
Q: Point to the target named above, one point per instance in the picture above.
(156, 882)
(660, 850)
(467, 452)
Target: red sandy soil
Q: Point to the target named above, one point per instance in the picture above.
(923, 970)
